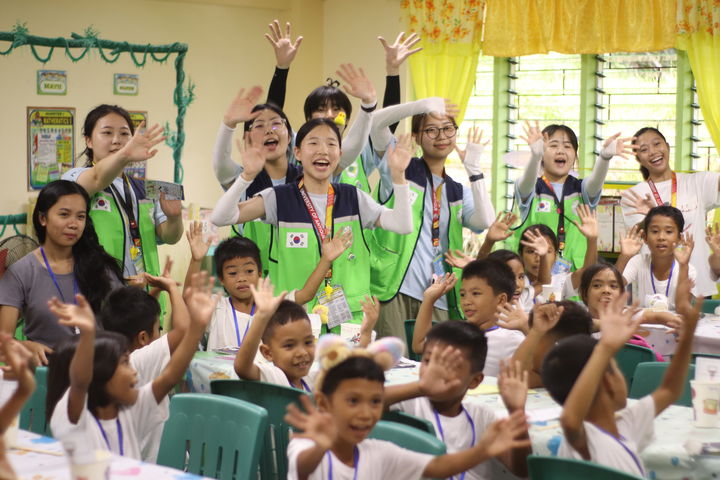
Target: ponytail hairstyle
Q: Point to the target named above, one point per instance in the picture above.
(91, 120)
(94, 268)
(643, 170)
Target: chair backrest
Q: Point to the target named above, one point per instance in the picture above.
(709, 306)
(409, 420)
(32, 416)
(709, 355)
(554, 468)
(408, 437)
(274, 399)
(213, 436)
(628, 358)
(649, 375)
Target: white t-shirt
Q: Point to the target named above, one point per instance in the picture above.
(269, 373)
(502, 344)
(136, 422)
(637, 272)
(457, 432)
(527, 295)
(149, 361)
(376, 459)
(697, 193)
(635, 424)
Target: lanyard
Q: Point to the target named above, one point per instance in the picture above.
(673, 191)
(120, 434)
(630, 452)
(321, 231)
(356, 459)
(305, 386)
(560, 209)
(652, 278)
(492, 328)
(436, 197)
(76, 289)
(237, 330)
(472, 429)
(127, 206)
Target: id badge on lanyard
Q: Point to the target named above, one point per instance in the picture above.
(338, 308)
(560, 210)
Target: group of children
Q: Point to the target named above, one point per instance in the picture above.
(309, 224)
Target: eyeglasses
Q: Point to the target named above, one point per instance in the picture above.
(434, 132)
(262, 126)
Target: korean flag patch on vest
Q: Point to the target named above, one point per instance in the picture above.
(544, 206)
(296, 240)
(102, 203)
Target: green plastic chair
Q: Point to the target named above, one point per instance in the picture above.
(709, 306)
(409, 420)
(409, 331)
(649, 375)
(554, 468)
(275, 399)
(629, 357)
(213, 436)
(32, 416)
(408, 437)
(709, 355)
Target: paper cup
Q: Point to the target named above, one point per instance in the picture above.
(706, 402)
(97, 469)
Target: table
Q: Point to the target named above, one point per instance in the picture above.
(665, 458)
(707, 335)
(44, 459)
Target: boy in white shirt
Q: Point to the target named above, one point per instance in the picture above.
(581, 374)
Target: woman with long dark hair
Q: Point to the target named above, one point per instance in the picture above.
(69, 260)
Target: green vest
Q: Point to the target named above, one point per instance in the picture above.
(297, 249)
(543, 209)
(393, 252)
(355, 175)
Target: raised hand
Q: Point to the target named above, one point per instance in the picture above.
(171, 208)
(240, 110)
(38, 351)
(199, 299)
(399, 51)
(501, 228)
(474, 137)
(502, 435)
(198, 245)
(641, 205)
(690, 314)
(511, 316)
(285, 49)
(513, 385)
(140, 146)
(357, 84)
(371, 313)
(265, 300)
(535, 240)
(333, 247)
(618, 146)
(451, 110)
(440, 286)
(315, 425)
(684, 248)
(588, 221)
(440, 375)
(632, 242)
(712, 237)
(531, 137)
(18, 360)
(459, 259)
(399, 158)
(251, 158)
(78, 315)
(616, 322)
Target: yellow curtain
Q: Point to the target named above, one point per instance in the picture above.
(526, 27)
(698, 28)
(450, 32)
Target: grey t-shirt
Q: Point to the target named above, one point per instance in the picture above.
(27, 286)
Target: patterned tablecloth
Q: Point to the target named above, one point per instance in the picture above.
(42, 458)
(707, 335)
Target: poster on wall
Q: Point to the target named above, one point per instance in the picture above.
(126, 84)
(51, 144)
(51, 82)
(136, 170)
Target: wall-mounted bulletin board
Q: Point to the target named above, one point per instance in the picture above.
(51, 144)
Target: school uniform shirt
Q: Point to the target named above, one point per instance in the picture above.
(136, 421)
(501, 344)
(635, 425)
(527, 296)
(637, 272)
(269, 373)
(697, 193)
(149, 361)
(457, 431)
(376, 459)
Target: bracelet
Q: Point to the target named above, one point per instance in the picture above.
(369, 109)
(474, 178)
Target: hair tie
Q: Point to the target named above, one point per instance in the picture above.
(332, 83)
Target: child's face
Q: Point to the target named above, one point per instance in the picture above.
(653, 152)
(121, 386)
(356, 406)
(327, 110)
(238, 274)
(468, 378)
(319, 152)
(662, 235)
(65, 221)
(478, 301)
(269, 133)
(532, 260)
(442, 144)
(519, 271)
(144, 338)
(559, 155)
(291, 348)
(109, 135)
(604, 288)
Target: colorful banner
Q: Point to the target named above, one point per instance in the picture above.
(126, 84)
(51, 144)
(51, 82)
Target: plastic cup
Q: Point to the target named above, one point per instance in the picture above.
(96, 467)
(706, 402)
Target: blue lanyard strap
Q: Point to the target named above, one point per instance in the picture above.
(237, 330)
(652, 278)
(627, 449)
(490, 330)
(442, 433)
(356, 459)
(305, 386)
(120, 434)
(76, 289)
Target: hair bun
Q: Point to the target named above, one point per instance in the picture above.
(332, 83)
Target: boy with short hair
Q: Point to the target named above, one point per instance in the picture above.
(452, 363)
(486, 285)
(581, 374)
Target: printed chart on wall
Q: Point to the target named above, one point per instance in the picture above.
(51, 144)
(136, 170)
